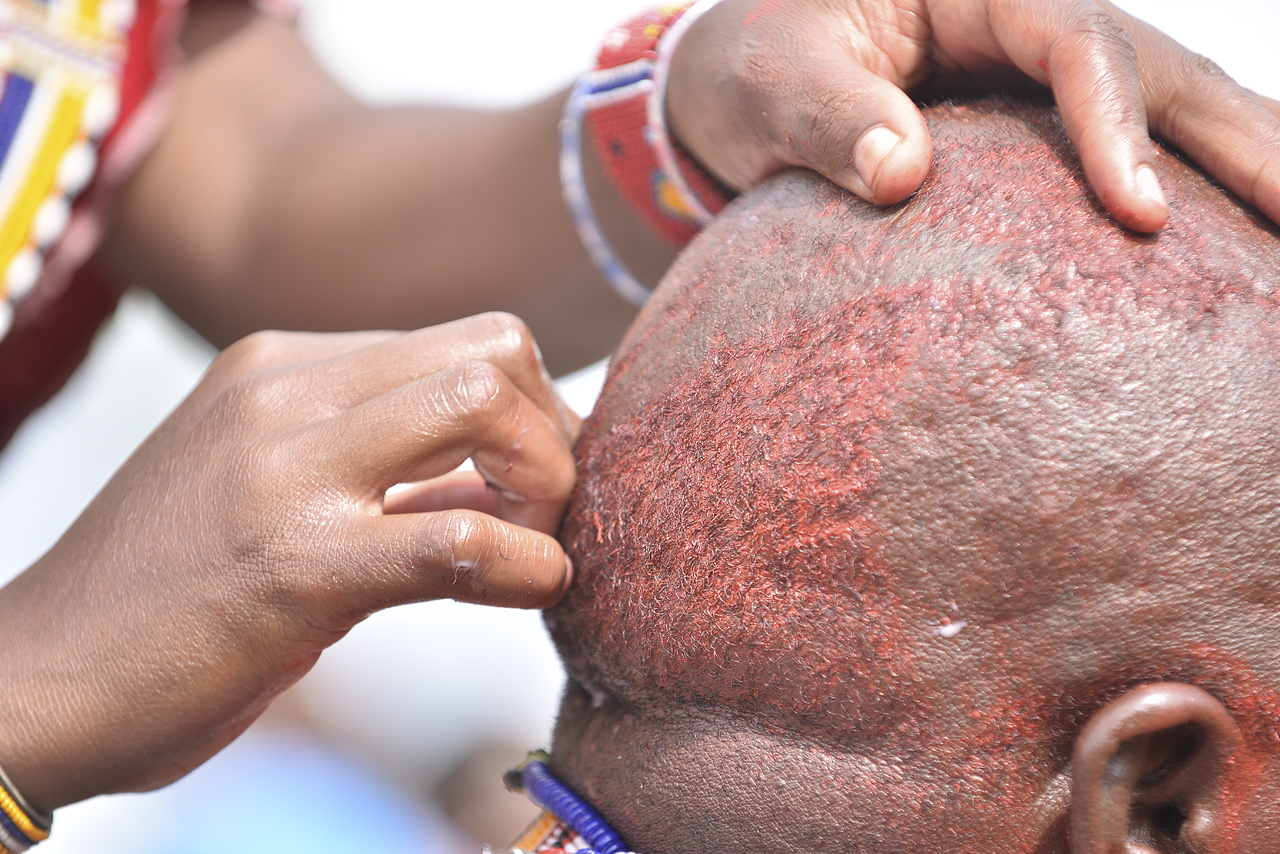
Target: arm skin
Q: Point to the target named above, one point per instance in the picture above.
(293, 206)
(252, 529)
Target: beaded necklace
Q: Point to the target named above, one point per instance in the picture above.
(568, 823)
(61, 67)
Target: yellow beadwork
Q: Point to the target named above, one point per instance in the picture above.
(535, 832)
(61, 133)
(73, 53)
(16, 815)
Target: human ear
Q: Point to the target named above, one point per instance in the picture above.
(1148, 774)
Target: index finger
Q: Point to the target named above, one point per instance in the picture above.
(1090, 62)
(1231, 132)
(343, 370)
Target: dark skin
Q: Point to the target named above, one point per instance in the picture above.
(1051, 629)
(274, 199)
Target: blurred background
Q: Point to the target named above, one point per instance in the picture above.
(397, 740)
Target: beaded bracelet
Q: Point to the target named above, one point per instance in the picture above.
(21, 825)
(624, 102)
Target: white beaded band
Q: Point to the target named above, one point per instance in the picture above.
(643, 78)
(657, 133)
(573, 185)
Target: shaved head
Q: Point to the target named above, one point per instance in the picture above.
(879, 508)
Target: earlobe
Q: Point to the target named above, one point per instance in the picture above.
(1148, 774)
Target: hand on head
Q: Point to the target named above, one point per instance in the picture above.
(826, 86)
(250, 532)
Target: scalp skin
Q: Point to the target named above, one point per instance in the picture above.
(889, 502)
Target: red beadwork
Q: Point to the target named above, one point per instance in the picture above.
(619, 134)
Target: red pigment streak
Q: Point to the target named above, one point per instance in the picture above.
(719, 525)
(1044, 66)
(987, 766)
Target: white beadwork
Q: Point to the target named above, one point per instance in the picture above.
(118, 14)
(51, 221)
(100, 111)
(76, 168)
(23, 273)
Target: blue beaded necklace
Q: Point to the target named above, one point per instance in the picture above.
(535, 779)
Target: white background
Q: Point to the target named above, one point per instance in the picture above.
(418, 684)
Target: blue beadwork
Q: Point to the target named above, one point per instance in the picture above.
(13, 103)
(15, 833)
(557, 798)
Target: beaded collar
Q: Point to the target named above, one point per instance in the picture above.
(568, 823)
(62, 68)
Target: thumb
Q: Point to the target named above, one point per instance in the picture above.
(856, 128)
(447, 554)
(787, 94)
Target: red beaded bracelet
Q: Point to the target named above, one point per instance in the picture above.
(623, 104)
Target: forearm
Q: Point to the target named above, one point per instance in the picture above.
(290, 205)
(425, 215)
(92, 676)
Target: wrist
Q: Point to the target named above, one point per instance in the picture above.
(666, 187)
(621, 105)
(696, 92)
(26, 801)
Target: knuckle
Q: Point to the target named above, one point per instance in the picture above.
(256, 352)
(1189, 98)
(1197, 71)
(482, 559)
(251, 402)
(475, 389)
(1195, 85)
(513, 341)
(1098, 27)
(459, 537)
(828, 132)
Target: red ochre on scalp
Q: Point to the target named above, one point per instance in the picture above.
(728, 529)
(758, 540)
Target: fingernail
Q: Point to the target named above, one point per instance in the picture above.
(870, 152)
(1149, 185)
(568, 574)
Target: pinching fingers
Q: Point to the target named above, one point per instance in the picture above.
(428, 427)
(457, 554)
(498, 338)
